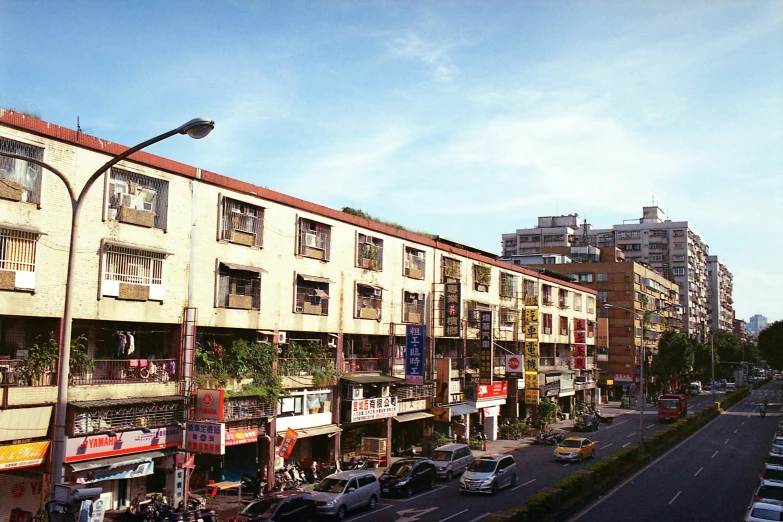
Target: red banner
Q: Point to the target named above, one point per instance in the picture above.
(497, 389)
(579, 324)
(579, 363)
(288, 444)
(580, 350)
(234, 438)
(580, 337)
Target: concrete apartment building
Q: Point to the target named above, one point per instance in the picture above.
(719, 293)
(671, 247)
(267, 268)
(625, 284)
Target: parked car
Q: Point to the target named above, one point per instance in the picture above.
(775, 459)
(575, 448)
(284, 506)
(586, 422)
(764, 512)
(451, 459)
(345, 491)
(488, 474)
(730, 387)
(772, 472)
(769, 491)
(407, 476)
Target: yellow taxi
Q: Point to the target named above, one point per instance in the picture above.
(575, 449)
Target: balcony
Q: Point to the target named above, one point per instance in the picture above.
(363, 365)
(124, 371)
(414, 392)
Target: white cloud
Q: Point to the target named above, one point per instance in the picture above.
(411, 45)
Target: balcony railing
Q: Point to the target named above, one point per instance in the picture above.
(362, 365)
(546, 361)
(414, 392)
(298, 367)
(9, 377)
(124, 371)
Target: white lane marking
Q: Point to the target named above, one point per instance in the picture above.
(675, 497)
(727, 441)
(650, 426)
(695, 474)
(713, 455)
(525, 484)
(371, 513)
(479, 518)
(433, 490)
(452, 516)
(631, 435)
(604, 447)
(735, 431)
(743, 423)
(626, 444)
(566, 464)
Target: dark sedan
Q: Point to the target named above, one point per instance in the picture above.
(406, 476)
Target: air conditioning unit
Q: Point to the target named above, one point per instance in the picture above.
(281, 337)
(310, 240)
(376, 292)
(332, 342)
(128, 200)
(262, 338)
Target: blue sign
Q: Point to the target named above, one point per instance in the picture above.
(633, 388)
(414, 354)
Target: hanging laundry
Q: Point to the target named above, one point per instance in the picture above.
(131, 343)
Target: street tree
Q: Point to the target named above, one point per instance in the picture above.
(771, 344)
(675, 358)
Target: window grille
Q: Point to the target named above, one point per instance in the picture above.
(314, 239)
(452, 269)
(135, 267)
(20, 179)
(242, 223)
(369, 252)
(128, 416)
(312, 297)
(368, 302)
(415, 263)
(413, 308)
(17, 250)
(238, 289)
(141, 197)
(507, 285)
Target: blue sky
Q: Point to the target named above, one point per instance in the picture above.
(464, 119)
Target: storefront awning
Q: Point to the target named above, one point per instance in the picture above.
(417, 415)
(116, 462)
(25, 423)
(369, 379)
(245, 268)
(462, 409)
(319, 430)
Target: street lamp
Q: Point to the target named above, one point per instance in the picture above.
(196, 128)
(641, 370)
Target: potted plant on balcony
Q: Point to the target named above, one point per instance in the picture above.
(38, 364)
(81, 364)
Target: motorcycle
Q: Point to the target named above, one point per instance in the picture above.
(253, 484)
(549, 438)
(606, 419)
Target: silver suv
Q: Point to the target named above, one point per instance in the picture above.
(451, 459)
(345, 491)
(488, 474)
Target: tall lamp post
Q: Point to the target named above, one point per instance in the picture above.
(197, 128)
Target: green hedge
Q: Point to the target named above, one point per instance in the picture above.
(574, 491)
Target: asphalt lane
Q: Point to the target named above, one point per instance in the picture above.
(536, 469)
(710, 476)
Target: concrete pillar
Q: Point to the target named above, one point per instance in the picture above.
(491, 427)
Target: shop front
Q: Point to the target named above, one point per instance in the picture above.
(308, 412)
(487, 399)
(127, 447)
(127, 464)
(366, 412)
(413, 423)
(23, 483)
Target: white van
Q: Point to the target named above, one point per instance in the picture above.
(451, 459)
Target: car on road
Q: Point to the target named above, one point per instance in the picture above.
(283, 506)
(769, 491)
(345, 491)
(451, 459)
(775, 459)
(574, 448)
(772, 472)
(407, 476)
(587, 422)
(488, 474)
(730, 387)
(764, 512)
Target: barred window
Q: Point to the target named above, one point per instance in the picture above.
(131, 266)
(242, 223)
(413, 308)
(20, 180)
(17, 250)
(369, 252)
(414, 263)
(313, 239)
(238, 288)
(137, 199)
(312, 295)
(507, 285)
(451, 269)
(369, 302)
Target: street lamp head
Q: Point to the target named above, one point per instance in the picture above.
(197, 128)
(607, 305)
